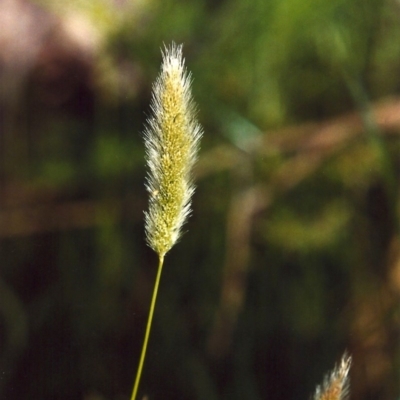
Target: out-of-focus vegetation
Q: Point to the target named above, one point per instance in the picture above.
(293, 249)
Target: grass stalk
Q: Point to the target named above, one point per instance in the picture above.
(148, 328)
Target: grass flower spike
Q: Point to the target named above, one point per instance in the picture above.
(172, 139)
(336, 385)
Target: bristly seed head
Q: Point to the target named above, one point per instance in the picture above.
(172, 140)
(336, 385)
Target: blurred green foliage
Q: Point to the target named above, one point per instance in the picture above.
(292, 251)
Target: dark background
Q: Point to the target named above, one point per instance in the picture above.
(292, 254)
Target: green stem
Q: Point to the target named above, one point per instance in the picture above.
(148, 328)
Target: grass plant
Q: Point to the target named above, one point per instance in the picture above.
(172, 140)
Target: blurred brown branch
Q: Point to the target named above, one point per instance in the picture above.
(27, 210)
(307, 145)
